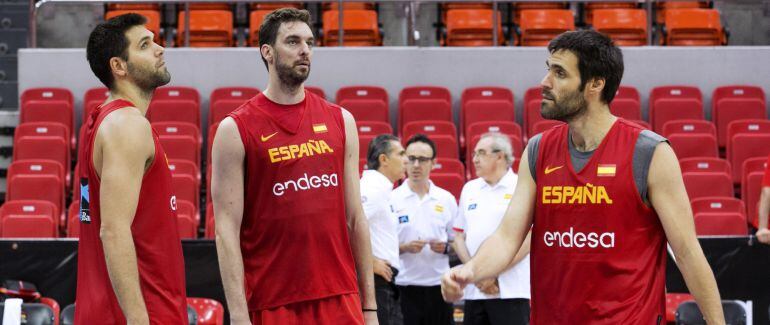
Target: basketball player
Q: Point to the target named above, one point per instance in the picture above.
(602, 197)
(130, 264)
(292, 239)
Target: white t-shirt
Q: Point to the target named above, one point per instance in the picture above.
(480, 212)
(427, 218)
(383, 226)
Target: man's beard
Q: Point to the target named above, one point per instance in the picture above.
(148, 80)
(290, 78)
(565, 109)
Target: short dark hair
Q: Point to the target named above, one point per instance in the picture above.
(380, 145)
(598, 57)
(419, 137)
(268, 31)
(108, 40)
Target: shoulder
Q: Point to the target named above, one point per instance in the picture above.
(472, 185)
(126, 123)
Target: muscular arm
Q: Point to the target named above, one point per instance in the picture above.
(227, 194)
(499, 250)
(358, 226)
(125, 143)
(669, 199)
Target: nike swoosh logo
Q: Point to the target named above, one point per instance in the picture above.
(265, 138)
(551, 170)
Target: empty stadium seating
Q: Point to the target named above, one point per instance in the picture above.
(674, 103)
(451, 182)
(28, 219)
(689, 145)
(592, 7)
(721, 224)
(48, 105)
(224, 100)
(420, 103)
(751, 186)
(694, 27)
(718, 205)
(627, 103)
(448, 166)
(627, 27)
(746, 139)
(688, 127)
(706, 184)
(483, 104)
(360, 28)
(93, 98)
(731, 103)
(175, 104)
(429, 128)
(373, 128)
(472, 27)
(538, 27)
(366, 103)
(705, 164)
(208, 28)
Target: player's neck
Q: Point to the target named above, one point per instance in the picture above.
(141, 99)
(421, 188)
(589, 130)
(281, 94)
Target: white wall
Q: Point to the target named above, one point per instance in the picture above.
(393, 68)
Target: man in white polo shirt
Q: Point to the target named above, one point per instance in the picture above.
(425, 213)
(386, 159)
(483, 201)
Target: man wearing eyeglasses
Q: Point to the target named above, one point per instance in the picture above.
(483, 201)
(424, 212)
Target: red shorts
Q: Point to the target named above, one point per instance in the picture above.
(343, 310)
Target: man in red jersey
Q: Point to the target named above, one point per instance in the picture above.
(130, 264)
(763, 234)
(292, 238)
(602, 198)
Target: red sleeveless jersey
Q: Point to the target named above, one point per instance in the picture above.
(154, 230)
(598, 252)
(294, 237)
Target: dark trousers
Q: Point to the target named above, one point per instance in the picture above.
(497, 312)
(424, 306)
(388, 306)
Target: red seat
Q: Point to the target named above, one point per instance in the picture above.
(721, 224)
(506, 127)
(751, 186)
(316, 90)
(360, 27)
(731, 103)
(256, 17)
(518, 7)
(694, 145)
(421, 103)
(689, 127)
(717, 205)
(93, 98)
(483, 104)
(543, 126)
(42, 129)
(363, 145)
(705, 164)
(36, 167)
(627, 103)
(448, 166)
(186, 220)
(642, 124)
(662, 6)
(532, 100)
(210, 311)
(275, 5)
(224, 100)
(700, 184)
(184, 167)
(591, 8)
(208, 28)
(672, 302)
(178, 128)
(181, 147)
(538, 27)
(175, 104)
(674, 103)
(48, 105)
(429, 128)
(43, 147)
(694, 27)
(73, 220)
(373, 128)
(186, 188)
(28, 219)
(451, 182)
(366, 103)
(746, 139)
(626, 27)
(446, 146)
(27, 187)
(472, 27)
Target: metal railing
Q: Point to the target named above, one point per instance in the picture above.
(410, 10)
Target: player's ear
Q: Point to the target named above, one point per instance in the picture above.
(118, 66)
(267, 52)
(596, 86)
